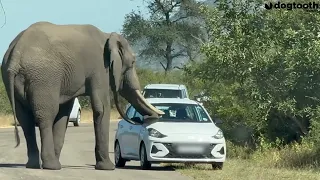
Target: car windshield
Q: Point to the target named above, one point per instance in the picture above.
(175, 112)
(162, 93)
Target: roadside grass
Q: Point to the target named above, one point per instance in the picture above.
(6, 120)
(239, 169)
(295, 161)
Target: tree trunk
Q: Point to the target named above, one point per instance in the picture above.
(168, 57)
(169, 46)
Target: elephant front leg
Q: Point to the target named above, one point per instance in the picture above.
(60, 126)
(101, 118)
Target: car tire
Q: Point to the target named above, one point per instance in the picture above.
(78, 119)
(144, 163)
(119, 161)
(217, 165)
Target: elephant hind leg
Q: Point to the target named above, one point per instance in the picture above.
(45, 106)
(26, 121)
(60, 126)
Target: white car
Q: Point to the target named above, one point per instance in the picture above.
(184, 134)
(75, 115)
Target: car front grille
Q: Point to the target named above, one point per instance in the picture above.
(174, 154)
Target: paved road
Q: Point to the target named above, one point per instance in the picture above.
(77, 159)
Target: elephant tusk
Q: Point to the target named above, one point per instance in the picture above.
(146, 103)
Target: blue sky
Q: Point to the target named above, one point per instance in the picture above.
(108, 15)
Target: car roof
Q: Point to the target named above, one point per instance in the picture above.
(171, 100)
(165, 86)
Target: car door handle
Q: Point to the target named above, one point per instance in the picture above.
(130, 127)
(121, 126)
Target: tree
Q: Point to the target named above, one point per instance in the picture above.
(168, 33)
(262, 67)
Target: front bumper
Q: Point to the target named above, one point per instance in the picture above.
(167, 150)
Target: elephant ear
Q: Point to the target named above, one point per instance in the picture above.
(115, 49)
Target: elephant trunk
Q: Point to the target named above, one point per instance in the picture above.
(122, 114)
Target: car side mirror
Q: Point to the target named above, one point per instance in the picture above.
(217, 121)
(137, 120)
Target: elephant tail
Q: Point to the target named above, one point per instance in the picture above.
(11, 76)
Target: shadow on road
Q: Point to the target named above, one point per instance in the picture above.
(136, 168)
(88, 166)
(5, 165)
(157, 168)
(91, 167)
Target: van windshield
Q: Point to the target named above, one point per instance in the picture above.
(162, 93)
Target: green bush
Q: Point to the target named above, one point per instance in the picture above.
(5, 107)
(261, 70)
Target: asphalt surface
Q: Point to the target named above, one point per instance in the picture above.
(77, 160)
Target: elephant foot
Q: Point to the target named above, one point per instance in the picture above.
(104, 165)
(51, 165)
(32, 164)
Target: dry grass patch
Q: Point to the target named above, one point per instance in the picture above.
(245, 170)
(86, 115)
(6, 120)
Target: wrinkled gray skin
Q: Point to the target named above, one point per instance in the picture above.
(47, 66)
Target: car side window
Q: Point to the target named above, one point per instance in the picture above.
(190, 113)
(137, 114)
(130, 112)
(202, 115)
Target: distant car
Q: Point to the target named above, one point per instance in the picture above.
(184, 134)
(165, 91)
(75, 115)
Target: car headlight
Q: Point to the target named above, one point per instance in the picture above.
(219, 134)
(155, 133)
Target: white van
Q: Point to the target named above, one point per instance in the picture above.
(165, 91)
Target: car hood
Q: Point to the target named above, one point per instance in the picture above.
(185, 128)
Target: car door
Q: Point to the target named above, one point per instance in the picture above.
(124, 136)
(135, 130)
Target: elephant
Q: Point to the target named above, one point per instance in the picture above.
(48, 65)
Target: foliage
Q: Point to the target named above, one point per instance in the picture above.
(5, 107)
(262, 69)
(168, 33)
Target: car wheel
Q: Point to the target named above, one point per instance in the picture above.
(77, 123)
(119, 161)
(217, 165)
(144, 163)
